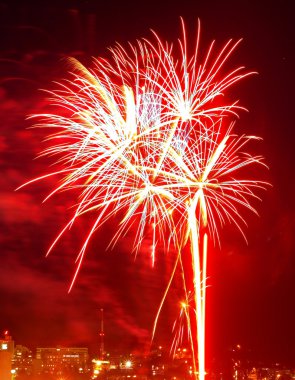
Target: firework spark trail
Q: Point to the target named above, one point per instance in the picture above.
(148, 135)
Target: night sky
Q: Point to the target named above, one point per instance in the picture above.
(251, 294)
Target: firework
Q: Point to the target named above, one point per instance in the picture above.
(149, 135)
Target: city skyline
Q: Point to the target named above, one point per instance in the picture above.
(250, 286)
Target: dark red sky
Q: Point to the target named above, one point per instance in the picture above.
(252, 294)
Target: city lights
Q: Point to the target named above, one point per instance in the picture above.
(128, 364)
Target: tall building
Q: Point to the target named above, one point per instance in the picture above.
(6, 354)
(61, 359)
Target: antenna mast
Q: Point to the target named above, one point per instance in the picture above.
(101, 337)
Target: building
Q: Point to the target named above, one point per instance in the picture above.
(6, 355)
(61, 360)
(22, 361)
